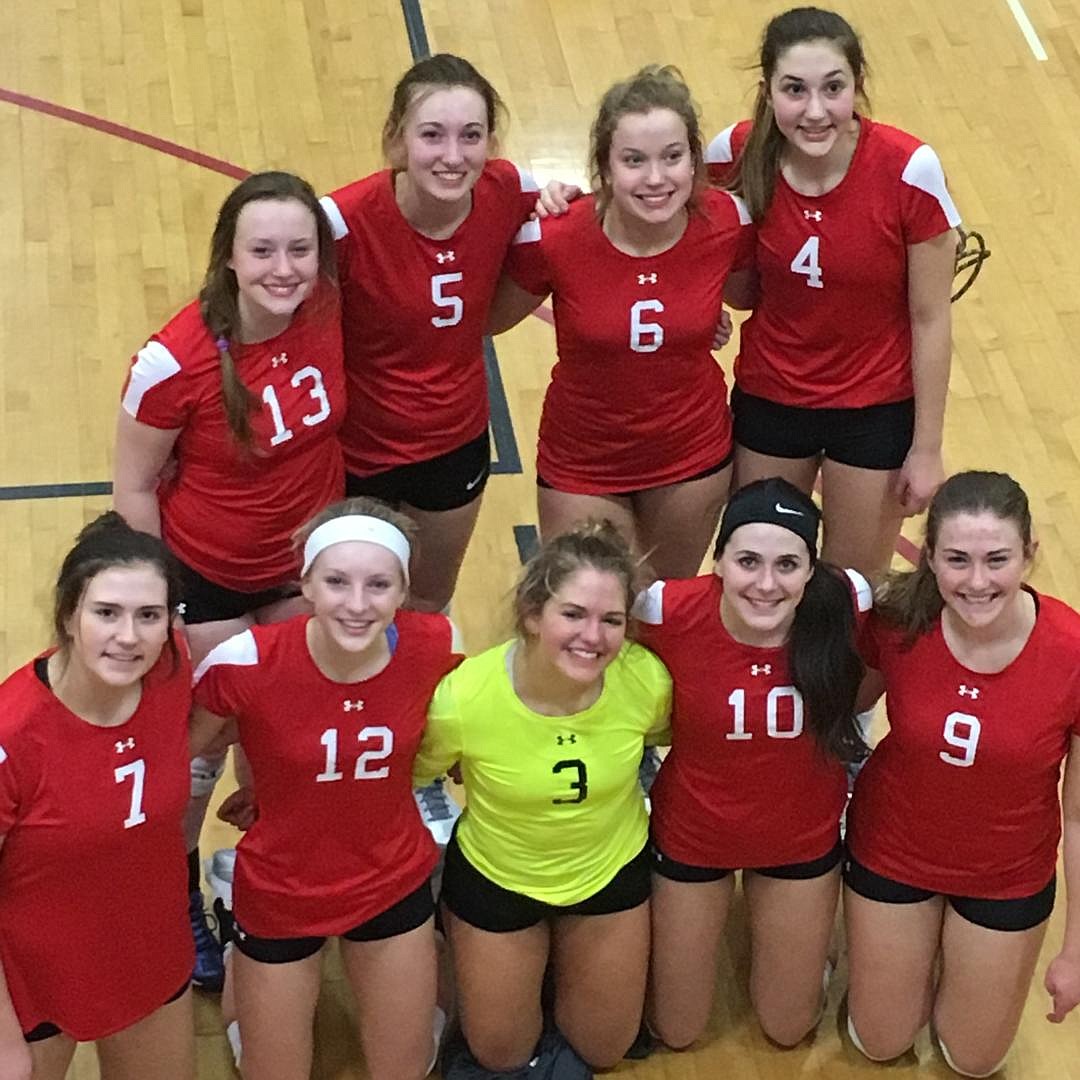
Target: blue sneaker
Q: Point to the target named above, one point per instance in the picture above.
(209, 973)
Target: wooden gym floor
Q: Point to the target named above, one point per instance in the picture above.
(123, 124)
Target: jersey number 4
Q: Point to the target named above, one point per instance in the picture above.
(806, 262)
(363, 770)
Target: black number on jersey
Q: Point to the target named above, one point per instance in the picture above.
(580, 785)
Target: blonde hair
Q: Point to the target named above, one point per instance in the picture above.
(361, 506)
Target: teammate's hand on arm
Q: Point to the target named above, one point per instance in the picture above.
(724, 329)
(922, 473)
(1063, 975)
(143, 457)
(555, 198)
(742, 290)
(240, 808)
(210, 735)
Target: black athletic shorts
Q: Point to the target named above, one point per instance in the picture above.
(674, 870)
(441, 483)
(405, 915)
(477, 900)
(206, 601)
(874, 437)
(47, 1030)
(712, 470)
(1020, 914)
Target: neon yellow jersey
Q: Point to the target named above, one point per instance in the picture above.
(554, 808)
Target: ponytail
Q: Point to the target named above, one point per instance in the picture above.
(825, 666)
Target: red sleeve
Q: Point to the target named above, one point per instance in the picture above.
(525, 262)
(9, 791)
(158, 391)
(722, 153)
(926, 207)
(869, 641)
(223, 677)
(521, 184)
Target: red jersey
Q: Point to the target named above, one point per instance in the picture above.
(338, 839)
(833, 326)
(230, 514)
(415, 311)
(745, 784)
(636, 398)
(86, 810)
(961, 796)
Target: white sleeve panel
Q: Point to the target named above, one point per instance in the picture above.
(649, 604)
(924, 171)
(240, 650)
(864, 595)
(526, 180)
(529, 233)
(744, 211)
(334, 215)
(153, 365)
(719, 151)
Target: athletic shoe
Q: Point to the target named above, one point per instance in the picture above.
(438, 810)
(219, 874)
(209, 973)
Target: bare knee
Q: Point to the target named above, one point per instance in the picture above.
(971, 1061)
(499, 1051)
(879, 1045)
(787, 1031)
(601, 1049)
(676, 1032)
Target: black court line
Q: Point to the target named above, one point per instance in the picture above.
(527, 540)
(54, 491)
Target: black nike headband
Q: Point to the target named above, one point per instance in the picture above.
(773, 502)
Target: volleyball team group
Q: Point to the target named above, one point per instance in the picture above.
(300, 458)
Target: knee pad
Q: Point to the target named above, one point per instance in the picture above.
(963, 1072)
(205, 773)
(854, 1036)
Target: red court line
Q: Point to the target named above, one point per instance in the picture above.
(121, 131)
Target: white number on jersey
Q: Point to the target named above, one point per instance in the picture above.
(737, 701)
(806, 262)
(454, 304)
(137, 771)
(962, 731)
(645, 336)
(329, 739)
(317, 394)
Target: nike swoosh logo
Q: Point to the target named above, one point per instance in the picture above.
(784, 510)
(476, 479)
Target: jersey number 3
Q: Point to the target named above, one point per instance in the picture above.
(806, 262)
(580, 785)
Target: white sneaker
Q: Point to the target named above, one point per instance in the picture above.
(438, 810)
(219, 875)
(648, 767)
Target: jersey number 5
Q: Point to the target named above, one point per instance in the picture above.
(453, 304)
(363, 771)
(961, 731)
(806, 262)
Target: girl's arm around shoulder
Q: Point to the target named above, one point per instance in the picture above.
(652, 690)
(441, 746)
(1063, 975)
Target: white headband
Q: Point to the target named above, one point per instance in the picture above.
(370, 530)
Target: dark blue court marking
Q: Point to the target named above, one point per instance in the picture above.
(507, 459)
(54, 491)
(527, 540)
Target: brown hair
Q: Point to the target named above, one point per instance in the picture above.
(594, 544)
(653, 87)
(439, 72)
(910, 599)
(754, 173)
(359, 505)
(106, 542)
(218, 296)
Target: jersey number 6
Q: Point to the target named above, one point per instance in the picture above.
(645, 336)
(580, 785)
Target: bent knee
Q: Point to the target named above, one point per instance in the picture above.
(878, 1045)
(788, 1031)
(600, 1050)
(970, 1062)
(498, 1054)
(677, 1032)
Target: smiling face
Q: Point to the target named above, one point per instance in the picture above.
(356, 589)
(979, 562)
(650, 168)
(764, 569)
(275, 257)
(120, 624)
(812, 91)
(444, 142)
(582, 625)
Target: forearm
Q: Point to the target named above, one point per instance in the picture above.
(140, 509)
(931, 359)
(1071, 859)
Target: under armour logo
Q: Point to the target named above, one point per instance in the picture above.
(279, 360)
(444, 257)
(560, 739)
(761, 669)
(968, 691)
(352, 706)
(812, 215)
(125, 744)
(181, 609)
(647, 279)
